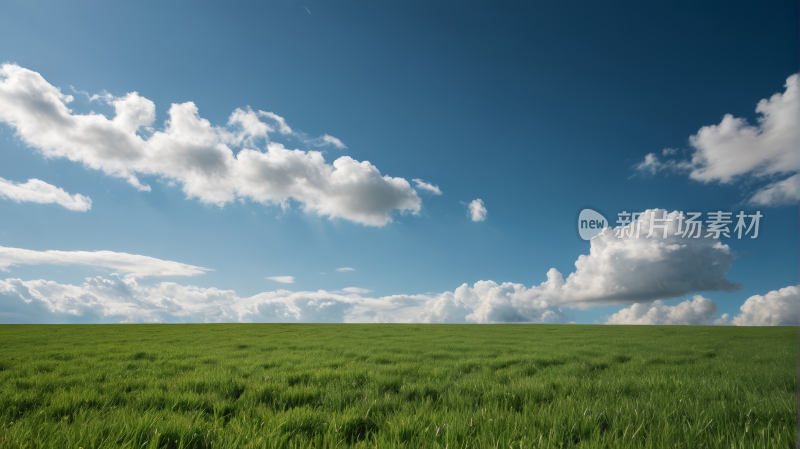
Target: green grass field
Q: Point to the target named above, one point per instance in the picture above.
(414, 386)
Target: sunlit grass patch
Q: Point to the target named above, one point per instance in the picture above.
(414, 386)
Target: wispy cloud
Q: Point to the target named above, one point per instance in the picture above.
(132, 265)
(102, 96)
(37, 191)
(326, 139)
(426, 186)
(345, 269)
(360, 291)
(286, 130)
(282, 279)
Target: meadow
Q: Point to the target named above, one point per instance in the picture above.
(407, 386)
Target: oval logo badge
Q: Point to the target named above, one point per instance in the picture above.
(591, 224)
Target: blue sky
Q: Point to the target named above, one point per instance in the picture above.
(539, 111)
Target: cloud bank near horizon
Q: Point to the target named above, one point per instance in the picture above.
(636, 272)
(199, 156)
(115, 299)
(776, 308)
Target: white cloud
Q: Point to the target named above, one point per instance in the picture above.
(124, 300)
(698, 311)
(652, 165)
(283, 128)
(343, 269)
(135, 266)
(477, 211)
(356, 290)
(330, 140)
(624, 270)
(103, 96)
(734, 149)
(616, 271)
(649, 164)
(786, 191)
(116, 299)
(282, 279)
(488, 302)
(776, 308)
(197, 155)
(37, 191)
(321, 141)
(629, 269)
(426, 186)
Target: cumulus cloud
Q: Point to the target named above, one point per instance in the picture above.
(734, 149)
(617, 270)
(37, 191)
(477, 211)
(624, 265)
(428, 187)
(282, 279)
(698, 311)
(117, 299)
(133, 265)
(488, 302)
(343, 269)
(198, 156)
(776, 308)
